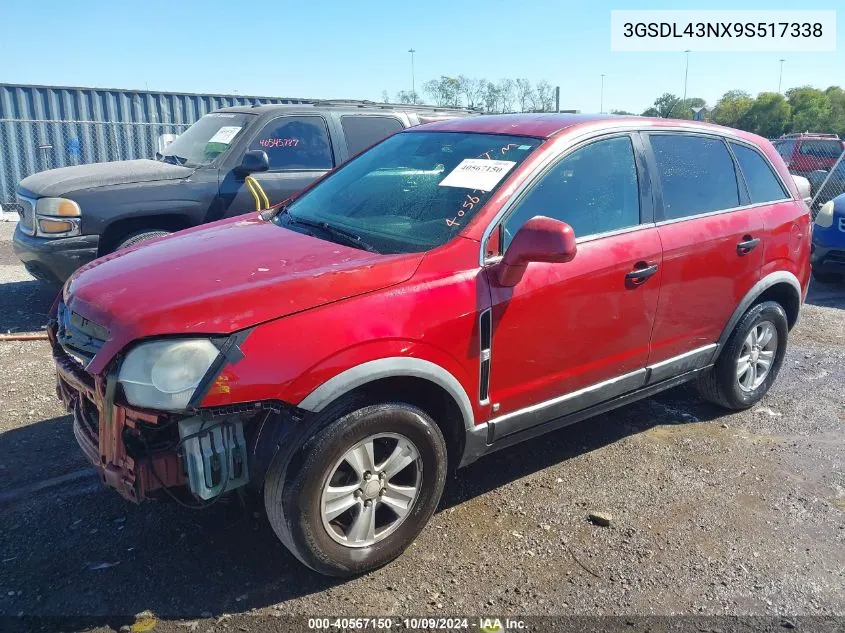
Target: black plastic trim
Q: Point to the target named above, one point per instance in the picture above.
(230, 353)
(475, 450)
(541, 413)
(485, 341)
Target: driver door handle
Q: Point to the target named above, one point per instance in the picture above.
(641, 273)
(747, 245)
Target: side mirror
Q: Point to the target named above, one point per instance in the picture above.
(804, 188)
(254, 160)
(541, 239)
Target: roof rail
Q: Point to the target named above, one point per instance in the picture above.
(363, 103)
(809, 135)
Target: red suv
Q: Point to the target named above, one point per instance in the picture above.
(806, 153)
(459, 287)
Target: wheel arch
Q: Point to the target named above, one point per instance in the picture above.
(781, 286)
(118, 230)
(413, 380)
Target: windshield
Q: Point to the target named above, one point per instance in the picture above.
(414, 191)
(206, 139)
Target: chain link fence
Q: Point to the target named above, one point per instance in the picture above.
(30, 146)
(826, 185)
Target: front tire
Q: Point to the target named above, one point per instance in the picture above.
(139, 237)
(750, 361)
(367, 485)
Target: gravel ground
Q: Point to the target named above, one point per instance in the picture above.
(740, 514)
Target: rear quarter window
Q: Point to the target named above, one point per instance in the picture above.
(820, 149)
(696, 174)
(363, 131)
(763, 185)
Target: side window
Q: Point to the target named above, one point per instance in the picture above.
(785, 148)
(594, 189)
(363, 131)
(296, 142)
(696, 174)
(763, 185)
(820, 149)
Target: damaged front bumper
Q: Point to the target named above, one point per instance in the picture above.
(140, 452)
(100, 425)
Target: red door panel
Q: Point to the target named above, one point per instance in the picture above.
(564, 327)
(704, 278)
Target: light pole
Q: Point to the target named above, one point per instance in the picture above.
(601, 102)
(413, 85)
(780, 76)
(686, 76)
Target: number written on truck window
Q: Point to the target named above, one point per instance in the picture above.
(296, 142)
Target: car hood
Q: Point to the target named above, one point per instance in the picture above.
(61, 181)
(220, 278)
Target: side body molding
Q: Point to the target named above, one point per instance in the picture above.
(390, 367)
(780, 276)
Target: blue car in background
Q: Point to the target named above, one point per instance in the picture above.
(828, 258)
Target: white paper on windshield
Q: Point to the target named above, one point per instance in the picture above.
(477, 173)
(225, 134)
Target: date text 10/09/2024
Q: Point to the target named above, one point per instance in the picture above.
(486, 624)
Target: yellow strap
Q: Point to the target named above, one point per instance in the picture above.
(263, 195)
(249, 180)
(258, 190)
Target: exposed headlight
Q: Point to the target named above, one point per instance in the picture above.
(57, 217)
(165, 374)
(824, 218)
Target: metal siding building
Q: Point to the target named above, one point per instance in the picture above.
(42, 127)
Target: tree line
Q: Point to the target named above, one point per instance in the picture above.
(505, 95)
(770, 114)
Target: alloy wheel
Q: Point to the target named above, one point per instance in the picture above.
(757, 356)
(371, 489)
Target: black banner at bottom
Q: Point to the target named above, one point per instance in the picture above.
(488, 623)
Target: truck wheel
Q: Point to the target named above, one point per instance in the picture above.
(140, 236)
(367, 485)
(750, 361)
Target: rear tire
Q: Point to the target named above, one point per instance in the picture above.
(750, 360)
(300, 505)
(140, 236)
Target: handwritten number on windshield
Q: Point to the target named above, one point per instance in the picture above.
(472, 200)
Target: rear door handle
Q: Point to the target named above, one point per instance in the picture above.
(642, 271)
(747, 245)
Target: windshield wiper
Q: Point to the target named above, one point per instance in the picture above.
(348, 236)
(268, 215)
